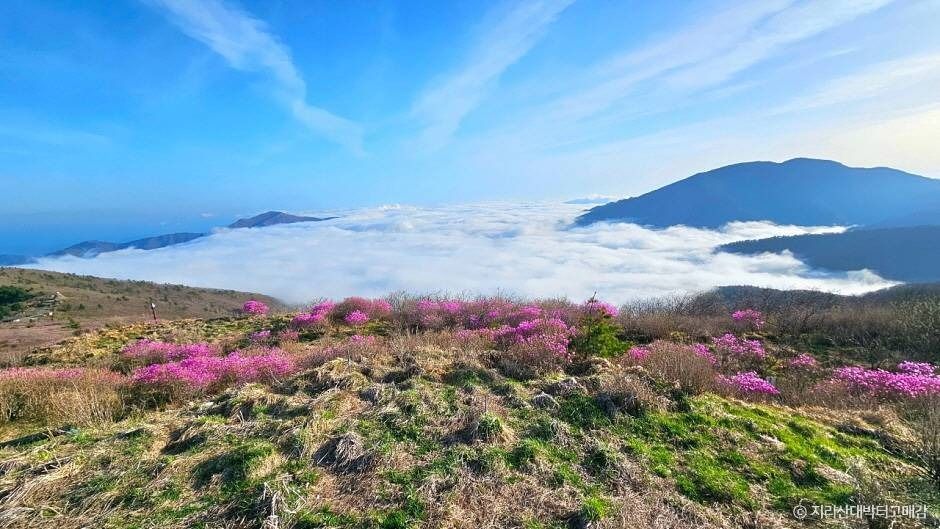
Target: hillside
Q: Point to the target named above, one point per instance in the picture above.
(907, 254)
(86, 302)
(801, 191)
(328, 420)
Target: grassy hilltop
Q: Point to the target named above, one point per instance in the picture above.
(86, 302)
(486, 413)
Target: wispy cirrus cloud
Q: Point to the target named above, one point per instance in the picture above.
(246, 44)
(699, 58)
(504, 38)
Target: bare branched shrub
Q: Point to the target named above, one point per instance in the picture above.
(924, 418)
(677, 364)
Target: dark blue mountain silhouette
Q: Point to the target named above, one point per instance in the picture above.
(801, 191)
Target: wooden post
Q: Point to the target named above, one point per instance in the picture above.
(153, 309)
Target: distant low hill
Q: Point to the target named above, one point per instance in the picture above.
(272, 218)
(93, 248)
(801, 191)
(907, 254)
(86, 302)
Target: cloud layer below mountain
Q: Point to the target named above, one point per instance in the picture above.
(525, 249)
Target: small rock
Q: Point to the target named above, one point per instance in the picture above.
(544, 401)
(568, 386)
(835, 475)
(773, 442)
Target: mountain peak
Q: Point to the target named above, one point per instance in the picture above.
(271, 218)
(800, 191)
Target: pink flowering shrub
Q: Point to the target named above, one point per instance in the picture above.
(702, 351)
(739, 348)
(255, 308)
(638, 353)
(748, 384)
(803, 361)
(154, 352)
(750, 317)
(923, 369)
(53, 396)
(356, 318)
(886, 384)
(674, 363)
(374, 309)
(212, 373)
(601, 308)
(317, 316)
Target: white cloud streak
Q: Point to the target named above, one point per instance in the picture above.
(246, 44)
(506, 38)
(526, 249)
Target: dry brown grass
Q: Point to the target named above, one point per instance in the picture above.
(85, 397)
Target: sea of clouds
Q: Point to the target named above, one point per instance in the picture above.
(525, 249)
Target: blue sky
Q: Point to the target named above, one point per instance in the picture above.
(123, 119)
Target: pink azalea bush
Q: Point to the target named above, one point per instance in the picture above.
(702, 351)
(200, 374)
(638, 353)
(317, 316)
(917, 382)
(601, 307)
(751, 317)
(153, 352)
(356, 318)
(803, 361)
(740, 348)
(748, 383)
(255, 308)
(373, 309)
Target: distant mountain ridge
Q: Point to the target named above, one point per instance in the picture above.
(92, 248)
(800, 191)
(271, 218)
(87, 249)
(906, 254)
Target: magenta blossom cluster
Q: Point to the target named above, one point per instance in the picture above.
(202, 372)
(923, 369)
(882, 383)
(255, 308)
(702, 351)
(749, 316)
(356, 318)
(739, 347)
(638, 353)
(748, 383)
(373, 309)
(803, 361)
(550, 335)
(317, 316)
(602, 308)
(154, 352)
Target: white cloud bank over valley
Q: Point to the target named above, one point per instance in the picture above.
(525, 249)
